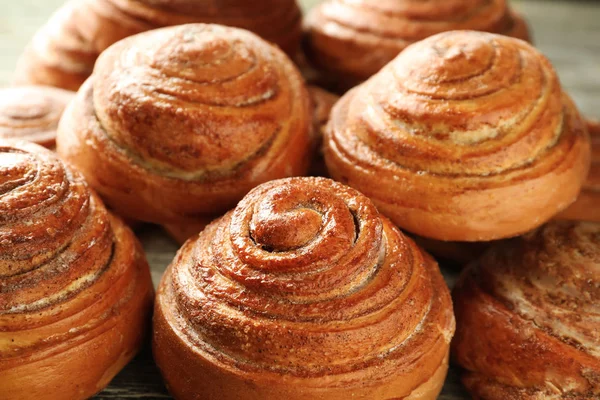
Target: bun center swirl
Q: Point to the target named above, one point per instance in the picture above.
(277, 227)
(461, 67)
(305, 234)
(203, 58)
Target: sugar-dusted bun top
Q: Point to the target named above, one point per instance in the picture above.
(56, 237)
(304, 278)
(464, 103)
(453, 125)
(198, 99)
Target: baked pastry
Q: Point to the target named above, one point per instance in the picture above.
(176, 125)
(303, 291)
(587, 206)
(350, 40)
(527, 325)
(32, 113)
(75, 288)
(455, 254)
(62, 53)
(464, 137)
(323, 101)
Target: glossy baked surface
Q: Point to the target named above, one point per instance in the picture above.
(452, 128)
(75, 288)
(32, 113)
(350, 40)
(565, 31)
(303, 292)
(63, 52)
(176, 125)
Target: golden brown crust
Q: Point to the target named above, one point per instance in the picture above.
(32, 113)
(176, 125)
(322, 103)
(302, 292)
(63, 52)
(350, 40)
(464, 137)
(75, 288)
(587, 206)
(527, 325)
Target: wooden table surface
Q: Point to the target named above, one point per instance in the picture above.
(567, 31)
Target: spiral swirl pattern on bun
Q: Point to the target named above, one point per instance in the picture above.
(178, 124)
(303, 291)
(527, 316)
(75, 288)
(32, 113)
(63, 52)
(350, 40)
(464, 137)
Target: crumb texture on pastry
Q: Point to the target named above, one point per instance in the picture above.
(180, 123)
(32, 113)
(63, 52)
(527, 316)
(465, 136)
(75, 288)
(303, 291)
(354, 39)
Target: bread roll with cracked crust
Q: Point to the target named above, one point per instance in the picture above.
(303, 291)
(75, 287)
(176, 125)
(465, 136)
(527, 317)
